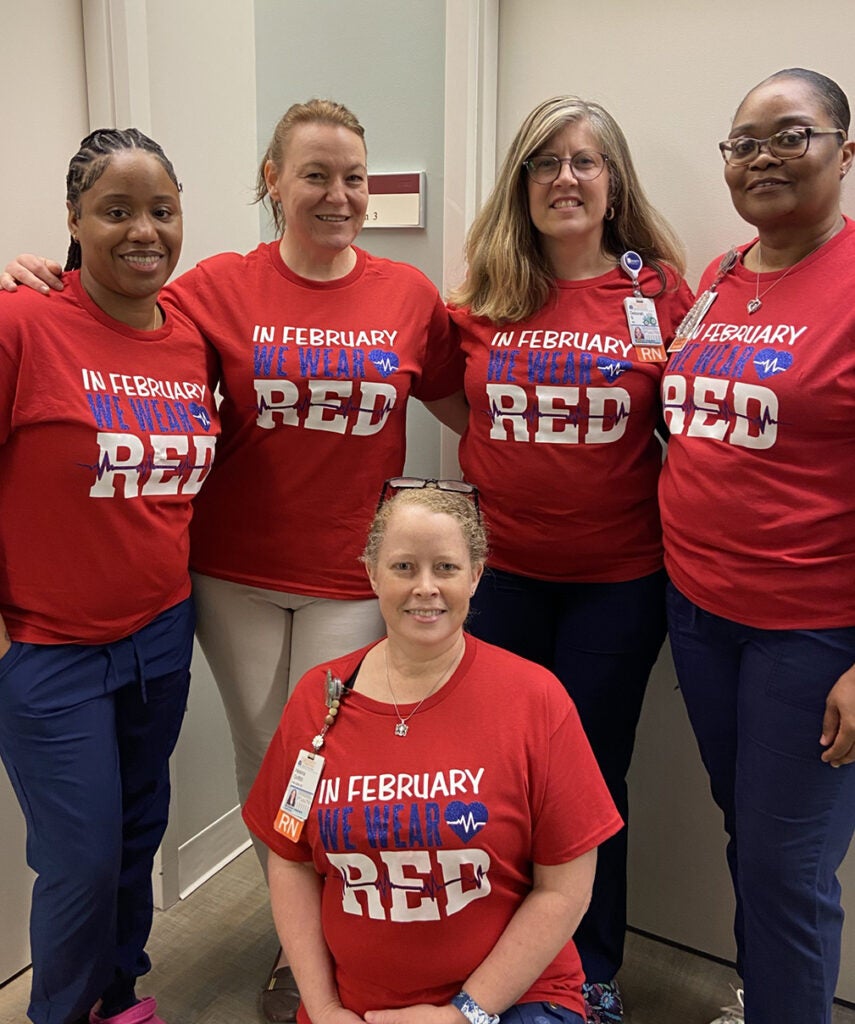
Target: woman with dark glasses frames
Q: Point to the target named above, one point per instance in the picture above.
(758, 511)
(573, 285)
(431, 804)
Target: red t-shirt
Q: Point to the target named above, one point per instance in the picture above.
(426, 843)
(106, 434)
(560, 439)
(758, 489)
(315, 381)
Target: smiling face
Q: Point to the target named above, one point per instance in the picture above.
(423, 577)
(805, 192)
(569, 212)
(322, 184)
(129, 226)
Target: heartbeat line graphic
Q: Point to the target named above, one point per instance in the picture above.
(574, 416)
(428, 886)
(771, 364)
(384, 363)
(146, 467)
(612, 371)
(344, 408)
(726, 412)
(467, 821)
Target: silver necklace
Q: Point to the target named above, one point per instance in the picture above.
(754, 304)
(401, 727)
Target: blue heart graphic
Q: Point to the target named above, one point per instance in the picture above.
(200, 414)
(386, 362)
(769, 361)
(466, 820)
(611, 369)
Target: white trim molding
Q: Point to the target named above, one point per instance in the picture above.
(471, 81)
(115, 34)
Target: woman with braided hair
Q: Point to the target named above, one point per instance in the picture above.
(321, 347)
(107, 430)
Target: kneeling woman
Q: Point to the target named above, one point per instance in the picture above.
(434, 852)
(107, 430)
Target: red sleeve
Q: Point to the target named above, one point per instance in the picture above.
(442, 373)
(576, 812)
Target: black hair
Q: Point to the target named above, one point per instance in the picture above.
(832, 97)
(92, 159)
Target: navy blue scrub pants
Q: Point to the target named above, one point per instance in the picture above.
(601, 640)
(756, 699)
(85, 735)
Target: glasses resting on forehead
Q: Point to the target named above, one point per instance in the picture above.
(789, 144)
(415, 483)
(585, 165)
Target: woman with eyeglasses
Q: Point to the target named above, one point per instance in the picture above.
(321, 346)
(758, 510)
(564, 353)
(440, 847)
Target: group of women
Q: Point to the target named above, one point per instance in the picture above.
(435, 778)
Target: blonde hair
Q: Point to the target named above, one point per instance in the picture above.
(451, 503)
(508, 277)
(313, 112)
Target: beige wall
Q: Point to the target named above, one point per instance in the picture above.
(673, 74)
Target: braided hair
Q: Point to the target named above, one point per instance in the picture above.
(93, 158)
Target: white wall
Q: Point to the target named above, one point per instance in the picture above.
(673, 74)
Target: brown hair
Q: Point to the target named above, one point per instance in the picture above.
(313, 112)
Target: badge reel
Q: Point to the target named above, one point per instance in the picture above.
(690, 322)
(305, 777)
(641, 315)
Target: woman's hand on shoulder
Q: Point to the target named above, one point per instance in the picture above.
(838, 723)
(422, 1013)
(36, 272)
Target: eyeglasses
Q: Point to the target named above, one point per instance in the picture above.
(789, 144)
(415, 483)
(585, 165)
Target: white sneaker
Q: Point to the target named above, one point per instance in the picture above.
(732, 1014)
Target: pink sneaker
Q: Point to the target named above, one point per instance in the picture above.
(142, 1013)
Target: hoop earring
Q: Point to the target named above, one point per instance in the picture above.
(610, 213)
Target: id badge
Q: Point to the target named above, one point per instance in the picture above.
(644, 330)
(299, 795)
(691, 320)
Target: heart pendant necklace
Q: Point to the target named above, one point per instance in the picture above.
(755, 303)
(401, 727)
